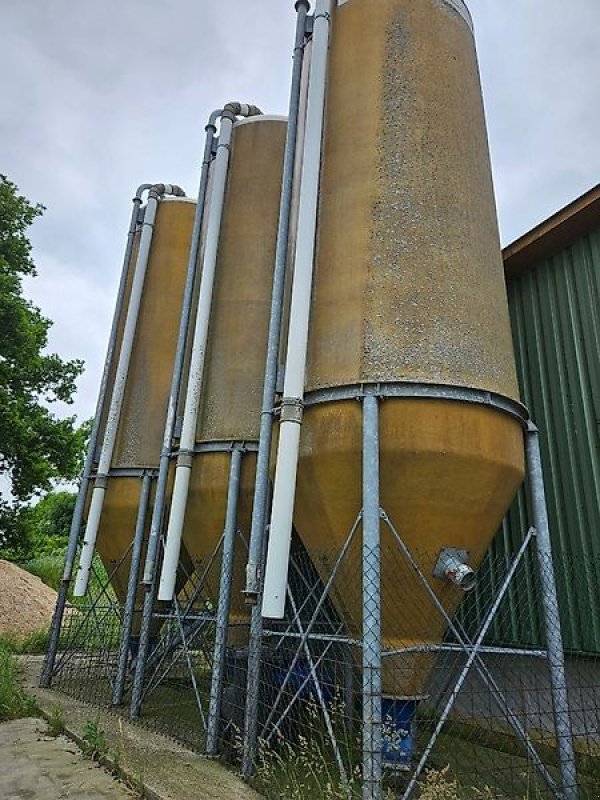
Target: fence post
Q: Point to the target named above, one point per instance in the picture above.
(554, 642)
(371, 587)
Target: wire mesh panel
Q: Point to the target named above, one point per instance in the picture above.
(89, 639)
(484, 713)
(464, 714)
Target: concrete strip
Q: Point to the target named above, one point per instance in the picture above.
(36, 766)
(163, 768)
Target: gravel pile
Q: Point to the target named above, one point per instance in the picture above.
(26, 603)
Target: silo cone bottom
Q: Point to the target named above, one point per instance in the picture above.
(449, 470)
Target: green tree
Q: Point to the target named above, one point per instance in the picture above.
(41, 529)
(36, 447)
(49, 522)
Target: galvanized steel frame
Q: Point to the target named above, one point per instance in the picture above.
(258, 537)
(371, 515)
(78, 511)
(431, 391)
(129, 607)
(170, 422)
(222, 620)
(226, 544)
(96, 605)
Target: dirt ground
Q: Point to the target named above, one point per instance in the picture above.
(26, 603)
(35, 766)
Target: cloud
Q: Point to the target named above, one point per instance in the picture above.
(98, 97)
(539, 61)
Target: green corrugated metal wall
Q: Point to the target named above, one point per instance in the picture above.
(555, 312)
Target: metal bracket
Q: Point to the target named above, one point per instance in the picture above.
(177, 428)
(292, 410)
(279, 383)
(184, 459)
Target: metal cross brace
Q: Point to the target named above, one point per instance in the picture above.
(189, 661)
(319, 691)
(91, 612)
(174, 640)
(472, 651)
(313, 619)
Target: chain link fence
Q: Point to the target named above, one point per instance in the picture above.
(465, 710)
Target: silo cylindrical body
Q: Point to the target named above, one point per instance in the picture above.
(408, 289)
(236, 351)
(141, 426)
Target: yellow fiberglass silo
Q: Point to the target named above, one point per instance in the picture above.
(142, 417)
(408, 298)
(232, 387)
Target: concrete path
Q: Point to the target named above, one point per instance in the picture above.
(165, 769)
(35, 766)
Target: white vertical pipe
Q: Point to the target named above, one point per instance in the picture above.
(196, 373)
(284, 492)
(116, 402)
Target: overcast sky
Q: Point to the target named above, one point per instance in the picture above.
(97, 97)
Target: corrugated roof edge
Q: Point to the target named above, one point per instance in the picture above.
(553, 235)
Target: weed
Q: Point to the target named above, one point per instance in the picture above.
(136, 784)
(438, 786)
(14, 701)
(56, 722)
(95, 745)
(48, 569)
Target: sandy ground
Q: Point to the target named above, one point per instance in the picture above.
(26, 603)
(35, 766)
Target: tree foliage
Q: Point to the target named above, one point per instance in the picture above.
(36, 446)
(42, 529)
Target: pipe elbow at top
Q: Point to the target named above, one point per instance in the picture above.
(212, 120)
(159, 189)
(235, 109)
(143, 187)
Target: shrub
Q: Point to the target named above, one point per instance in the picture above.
(14, 701)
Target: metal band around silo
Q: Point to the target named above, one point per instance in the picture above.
(419, 390)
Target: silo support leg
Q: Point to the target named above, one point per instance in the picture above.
(252, 693)
(371, 565)
(139, 677)
(556, 658)
(128, 611)
(216, 689)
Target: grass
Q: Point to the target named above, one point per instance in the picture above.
(14, 701)
(48, 569)
(466, 765)
(56, 721)
(35, 643)
(94, 743)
